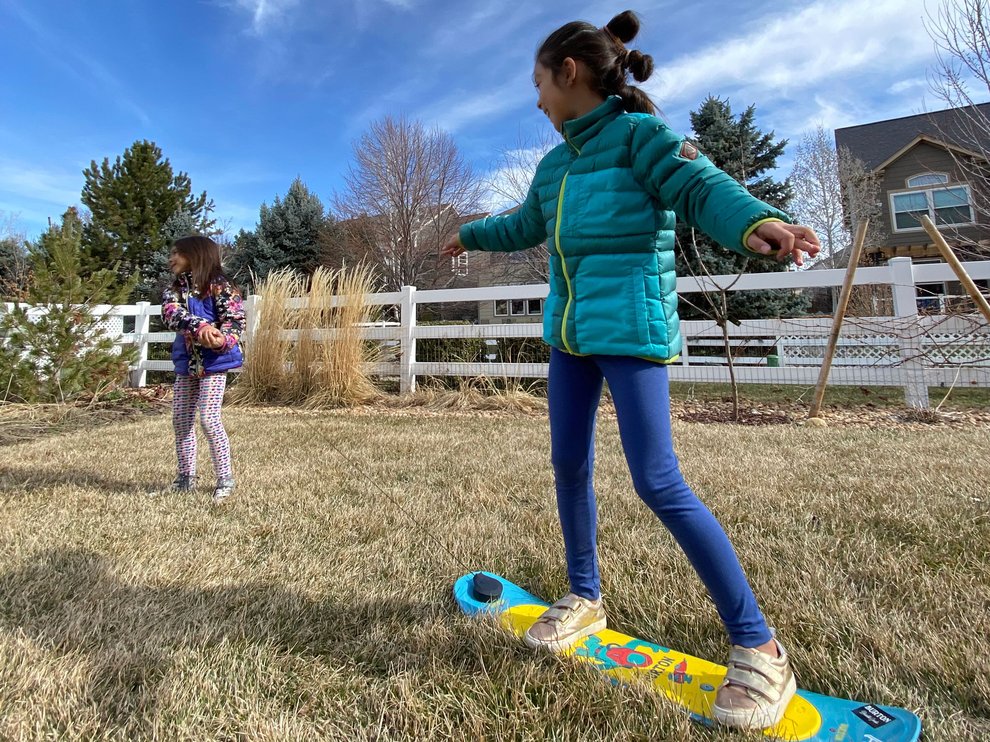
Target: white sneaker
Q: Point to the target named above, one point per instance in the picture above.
(223, 490)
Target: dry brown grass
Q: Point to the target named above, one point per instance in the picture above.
(477, 394)
(310, 608)
(264, 377)
(324, 365)
(27, 422)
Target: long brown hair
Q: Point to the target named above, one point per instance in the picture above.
(603, 51)
(203, 255)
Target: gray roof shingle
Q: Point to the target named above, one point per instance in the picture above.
(875, 143)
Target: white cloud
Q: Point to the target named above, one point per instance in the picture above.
(268, 14)
(23, 182)
(456, 111)
(30, 197)
(486, 25)
(818, 45)
(264, 13)
(508, 182)
(902, 86)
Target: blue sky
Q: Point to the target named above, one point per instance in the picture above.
(245, 95)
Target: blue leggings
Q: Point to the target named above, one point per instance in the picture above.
(642, 402)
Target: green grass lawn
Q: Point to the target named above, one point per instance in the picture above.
(312, 608)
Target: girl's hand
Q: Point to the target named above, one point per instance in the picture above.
(211, 337)
(789, 240)
(453, 248)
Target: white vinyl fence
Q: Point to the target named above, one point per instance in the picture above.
(905, 350)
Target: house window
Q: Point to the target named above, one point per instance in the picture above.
(517, 307)
(501, 308)
(945, 206)
(459, 265)
(927, 179)
(534, 306)
(952, 206)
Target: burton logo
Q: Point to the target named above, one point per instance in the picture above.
(873, 716)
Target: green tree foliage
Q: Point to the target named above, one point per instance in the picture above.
(55, 348)
(291, 233)
(738, 147)
(130, 201)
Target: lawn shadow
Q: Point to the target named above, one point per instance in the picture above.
(45, 421)
(32, 479)
(70, 601)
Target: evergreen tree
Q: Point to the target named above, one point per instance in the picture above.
(289, 234)
(130, 201)
(156, 273)
(55, 350)
(739, 148)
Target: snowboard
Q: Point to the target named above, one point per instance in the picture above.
(688, 681)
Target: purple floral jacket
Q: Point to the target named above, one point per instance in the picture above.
(188, 313)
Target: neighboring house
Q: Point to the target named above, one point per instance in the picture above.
(923, 165)
(478, 268)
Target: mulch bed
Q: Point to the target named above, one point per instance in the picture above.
(21, 422)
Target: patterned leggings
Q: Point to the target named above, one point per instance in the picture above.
(205, 394)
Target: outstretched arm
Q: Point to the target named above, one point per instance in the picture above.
(683, 180)
(520, 230)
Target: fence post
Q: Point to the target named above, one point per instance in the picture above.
(407, 340)
(906, 311)
(142, 326)
(252, 314)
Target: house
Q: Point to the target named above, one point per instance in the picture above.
(479, 268)
(931, 163)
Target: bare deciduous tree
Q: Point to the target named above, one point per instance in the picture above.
(861, 196)
(509, 184)
(717, 299)
(14, 267)
(407, 189)
(960, 77)
(961, 32)
(818, 194)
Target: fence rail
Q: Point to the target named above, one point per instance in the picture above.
(908, 349)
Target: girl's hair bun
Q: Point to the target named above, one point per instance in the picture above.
(640, 65)
(624, 26)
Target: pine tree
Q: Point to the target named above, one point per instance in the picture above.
(739, 148)
(55, 350)
(156, 272)
(130, 201)
(289, 234)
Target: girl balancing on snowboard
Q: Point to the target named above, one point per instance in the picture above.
(606, 200)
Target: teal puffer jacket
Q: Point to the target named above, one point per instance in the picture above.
(605, 200)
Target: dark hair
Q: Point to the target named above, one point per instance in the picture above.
(603, 51)
(203, 255)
